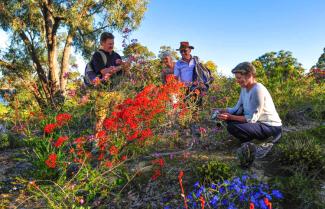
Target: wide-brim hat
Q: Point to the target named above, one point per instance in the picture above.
(184, 45)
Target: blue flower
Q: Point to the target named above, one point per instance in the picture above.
(232, 206)
(262, 204)
(214, 200)
(222, 190)
(197, 184)
(224, 202)
(213, 186)
(277, 194)
(167, 207)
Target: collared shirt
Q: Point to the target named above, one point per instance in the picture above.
(184, 71)
(257, 106)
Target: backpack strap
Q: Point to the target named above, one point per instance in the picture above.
(103, 56)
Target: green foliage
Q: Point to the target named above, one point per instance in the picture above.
(321, 61)
(41, 35)
(299, 191)
(278, 66)
(301, 150)
(4, 141)
(214, 171)
(168, 49)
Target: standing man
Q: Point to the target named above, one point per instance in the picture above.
(184, 68)
(105, 65)
(105, 62)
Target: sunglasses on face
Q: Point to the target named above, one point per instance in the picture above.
(183, 51)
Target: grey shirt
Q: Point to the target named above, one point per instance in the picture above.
(257, 105)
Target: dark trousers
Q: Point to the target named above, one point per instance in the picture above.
(249, 131)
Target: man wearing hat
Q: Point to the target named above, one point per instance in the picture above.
(184, 68)
(254, 116)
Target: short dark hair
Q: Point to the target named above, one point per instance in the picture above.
(106, 35)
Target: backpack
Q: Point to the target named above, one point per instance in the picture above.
(90, 74)
(202, 74)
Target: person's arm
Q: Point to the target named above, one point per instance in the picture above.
(257, 105)
(228, 116)
(234, 109)
(176, 71)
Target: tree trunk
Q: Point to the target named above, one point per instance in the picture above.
(65, 61)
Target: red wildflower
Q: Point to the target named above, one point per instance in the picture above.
(146, 134)
(49, 128)
(180, 176)
(63, 118)
(79, 140)
(113, 150)
(101, 134)
(51, 160)
(108, 164)
(124, 157)
(156, 174)
(202, 202)
(60, 141)
(133, 136)
(159, 162)
(267, 203)
(251, 205)
(101, 156)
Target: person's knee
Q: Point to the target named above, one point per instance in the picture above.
(232, 128)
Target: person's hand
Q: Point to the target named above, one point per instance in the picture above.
(107, 76)
(224, 116)
(105, 71)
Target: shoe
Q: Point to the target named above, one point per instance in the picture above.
(246, 154)
(277, 137)
(263, 149)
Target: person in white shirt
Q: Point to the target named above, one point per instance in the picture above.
(254, 116)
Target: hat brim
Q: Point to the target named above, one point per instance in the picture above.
(190, 47)
(239, 71)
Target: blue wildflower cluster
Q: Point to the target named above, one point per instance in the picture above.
(239, 192)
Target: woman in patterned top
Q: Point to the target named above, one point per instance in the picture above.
(168, 66)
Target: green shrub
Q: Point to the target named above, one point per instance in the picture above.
(299, 191)
(214, 171)
(300, 149)
(4, 141)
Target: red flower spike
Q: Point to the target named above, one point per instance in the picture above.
(51, 160)
(251, 205)
(202, 202)
(49, 128)
(60, 141)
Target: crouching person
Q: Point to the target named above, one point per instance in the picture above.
(253, 117)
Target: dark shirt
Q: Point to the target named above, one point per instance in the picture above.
(97, 62)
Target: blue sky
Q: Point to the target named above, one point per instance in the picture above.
(231, 31)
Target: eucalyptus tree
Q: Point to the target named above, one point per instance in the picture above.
(42, 34)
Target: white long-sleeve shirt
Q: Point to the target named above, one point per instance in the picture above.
(257, 105)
